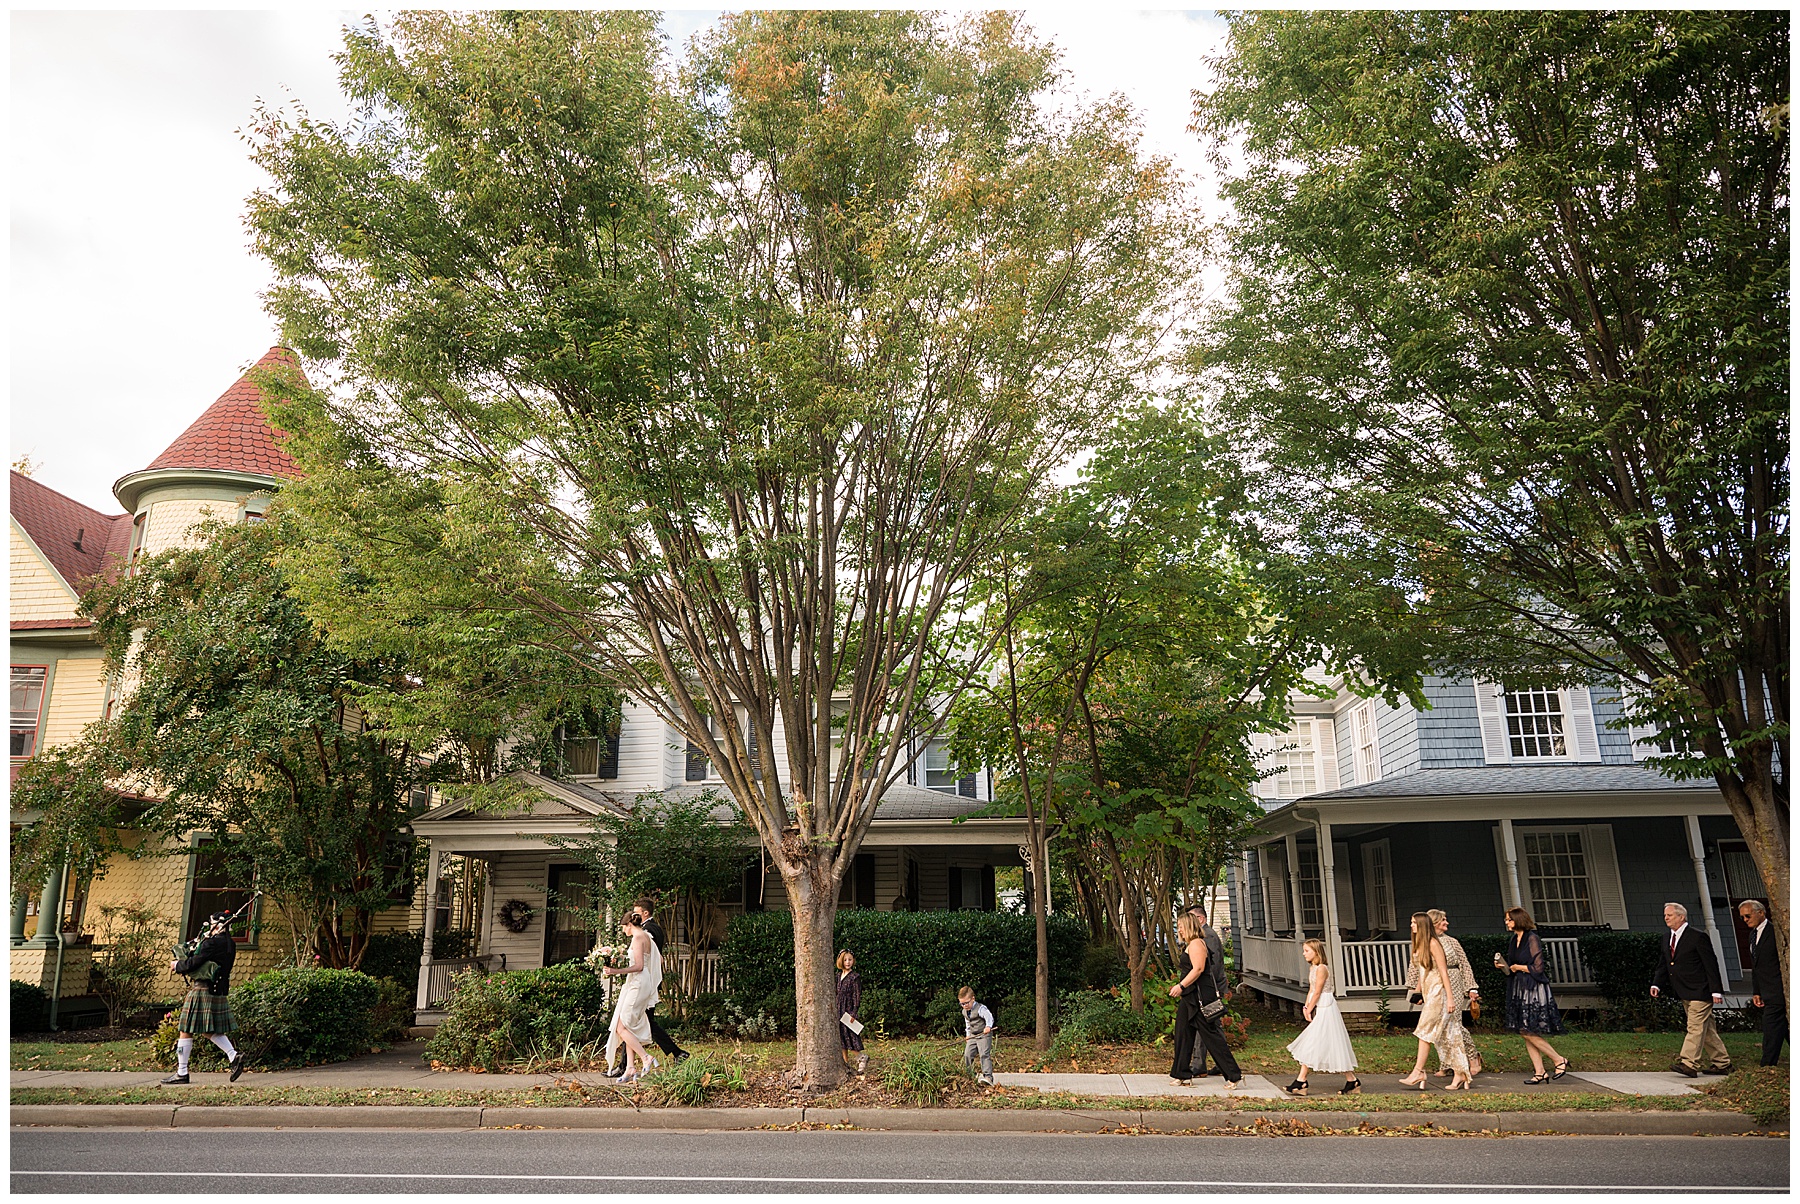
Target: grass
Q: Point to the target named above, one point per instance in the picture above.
(101, 1055)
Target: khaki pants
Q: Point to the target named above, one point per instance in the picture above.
(1702, 1048)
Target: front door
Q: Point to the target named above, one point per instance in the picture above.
(570, 934)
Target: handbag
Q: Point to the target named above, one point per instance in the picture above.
(1213, 1009)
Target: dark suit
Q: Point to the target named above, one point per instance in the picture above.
(1215, 969)
(658, 1033)
(1765, 981)
(1690, 972)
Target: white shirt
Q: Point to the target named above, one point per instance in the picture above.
(1756, 933)
(1675, 934)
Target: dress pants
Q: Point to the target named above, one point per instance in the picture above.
(1774, 1018)
(1701, 1048)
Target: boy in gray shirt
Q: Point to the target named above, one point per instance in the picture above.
(978, 1034)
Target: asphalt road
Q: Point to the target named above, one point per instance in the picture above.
(240, 1161)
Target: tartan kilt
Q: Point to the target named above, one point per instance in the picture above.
(202, 1012)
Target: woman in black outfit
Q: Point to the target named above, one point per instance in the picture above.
(1195, 989)
(849, 999)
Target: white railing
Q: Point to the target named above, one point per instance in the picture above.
(439, 974)
(1371, 965)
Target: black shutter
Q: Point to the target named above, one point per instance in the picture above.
(965, 786)
(955, 888)
(864, 869)
(697, 763)
(609, 756)
(987, 888)
(753, 885)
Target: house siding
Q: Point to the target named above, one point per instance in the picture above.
(77, 698)
(523, 877)
(38, 592)
(1398, 732)
(1449, 734)
(1615, 743)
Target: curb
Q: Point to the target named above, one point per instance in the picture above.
(956, 1120)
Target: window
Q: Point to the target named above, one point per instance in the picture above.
(215, 885)
(1312, 894)
(1294, 774)
(1378, 885)
(1534, 724)
(941, 773)
(591, 756)
(1253, 891)
(1368, 744)
(573, 914)
(28, 683)
(139, 527)
(858, 889)
(699, 765)
(1556, 872)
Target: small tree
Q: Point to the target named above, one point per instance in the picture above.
(133, 943)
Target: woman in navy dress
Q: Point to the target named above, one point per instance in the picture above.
(1530, 1007)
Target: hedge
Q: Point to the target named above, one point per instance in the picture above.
(396, 955)
(907, 959)
(305, 1017)
(495, 1019)
(30, 1007)
(1623, 963)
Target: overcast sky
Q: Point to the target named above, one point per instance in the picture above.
(135, 297)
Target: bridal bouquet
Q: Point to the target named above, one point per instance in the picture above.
(615, 957)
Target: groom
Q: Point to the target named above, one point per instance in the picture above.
(644, 910)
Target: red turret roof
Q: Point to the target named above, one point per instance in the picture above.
(234, 435)
(79, 541)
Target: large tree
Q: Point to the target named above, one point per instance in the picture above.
(743, 370)
(1509, 323)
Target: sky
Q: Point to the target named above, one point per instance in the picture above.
(135, 297)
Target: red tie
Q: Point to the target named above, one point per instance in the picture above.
(1671, 946)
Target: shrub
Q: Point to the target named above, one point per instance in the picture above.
(1623, 963)
(914, 954)
(1087, 1018)
(305, 1017)
(393, 1012)
(919, 1075)
(396, 955)
(494, 1019)
(1017, 1014)
(30, 1007)
(705, 1013)
(1481, 947)
(889, 1011)
(1103, 967)
(943, 1015)
(134, 944)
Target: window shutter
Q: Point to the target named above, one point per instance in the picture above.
(956, 883)
(1276, 898)
(988, 901)
(1490, 707)
(1325, 749)
(1584, 743)
(1340, 878)
(1259, 757)
(609, 756)
(1603, 874)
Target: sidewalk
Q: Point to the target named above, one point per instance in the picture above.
(403, 1066)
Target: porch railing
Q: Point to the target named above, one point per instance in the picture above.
(1371, 965)
(439, 974)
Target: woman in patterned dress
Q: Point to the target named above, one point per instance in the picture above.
(1462, 985)
(1440, 1020)
(849, 1000)
(1530, 1007)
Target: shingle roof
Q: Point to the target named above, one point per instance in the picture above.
(898, 802)
(79, 541)
(234, 435)
(1513, 779)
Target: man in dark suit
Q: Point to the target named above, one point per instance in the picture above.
(1689, 970)
(1215, 967)
(1765, 979)
(643, 909)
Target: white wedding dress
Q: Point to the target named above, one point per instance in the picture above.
(638, 993)
(1325, 1045)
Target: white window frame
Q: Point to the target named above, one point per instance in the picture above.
(1581, 739)
(1605, 887)
(40, 675)
(1540, 906)
(1378, 884)
(1365, 743)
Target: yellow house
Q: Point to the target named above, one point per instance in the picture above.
(226, 465)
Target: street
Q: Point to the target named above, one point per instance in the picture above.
(242, 1161)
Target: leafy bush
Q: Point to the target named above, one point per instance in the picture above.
(134, 943)
(1623, 963)
(1088, 1018)
(1103, 967)
(1481, 947)
(943, 1014)
(919, 1075)
(305, 1017)
(396, 955)
(887, 1011)
(494, 1019)
(1017, 1014)
(692, 1082)
(705, 1013)
(393, 1013)
(916, 955)
(30, 1007)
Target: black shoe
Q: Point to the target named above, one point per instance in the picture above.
(1351, 1087)
(174, 1080)
(1684, 1068)
(680, 1055)
(1717, 1070)
(237, 1066)
(1297, 1087)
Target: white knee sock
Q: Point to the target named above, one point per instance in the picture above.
(183, 1048)
(224, 1043)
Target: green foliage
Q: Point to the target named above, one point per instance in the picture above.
(393, 1013)
(1017, 1014)
(133, 943)
(1623, 964)
(919, 1074)
(204, 1056)
(306, 1017)
(1481, 947)
(916, 955)
(30, 1007)
(889, 1011)
(496, 1019)
(1088, 1018)
(693, 1082)
(943, 1014)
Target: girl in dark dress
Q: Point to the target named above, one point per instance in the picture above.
(849, 998)
(1530, 1007)
(1195, 988)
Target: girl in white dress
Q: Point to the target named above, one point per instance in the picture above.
(1325, 1045)
(637, 994)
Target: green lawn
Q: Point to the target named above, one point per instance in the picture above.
(100, 1055)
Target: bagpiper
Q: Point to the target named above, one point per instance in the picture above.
(207, 1008)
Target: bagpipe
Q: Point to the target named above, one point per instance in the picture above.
(207, 971)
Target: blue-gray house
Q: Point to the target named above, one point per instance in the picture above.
(1493, 797)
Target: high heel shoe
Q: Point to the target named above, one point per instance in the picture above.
(1562, 1068)
(1418, 1084)
(1297, 1087)
(1351, 1087)
(651, 1064)
(1536, 1079)
(1460, 1085)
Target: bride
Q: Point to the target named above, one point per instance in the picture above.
(638, 993)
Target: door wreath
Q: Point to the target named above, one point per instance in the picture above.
(515, 915)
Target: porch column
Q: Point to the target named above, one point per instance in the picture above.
(49, 910)
(1334, 941)
(1509, 847)
(1293, 876)
(18, 918)
(432, 865)
(486, 927)
(1697, 850)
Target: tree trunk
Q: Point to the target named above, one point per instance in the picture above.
(1040, 906)
(1759, 817)
(817, 1061)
